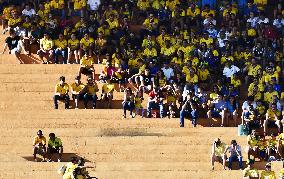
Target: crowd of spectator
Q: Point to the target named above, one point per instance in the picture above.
(186, 55)
(233, 153)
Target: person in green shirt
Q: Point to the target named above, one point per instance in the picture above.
(54, 147)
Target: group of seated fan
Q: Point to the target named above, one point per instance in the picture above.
(190, 57)
(258, 147)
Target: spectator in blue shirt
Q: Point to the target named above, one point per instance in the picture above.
(211, 3)
(233, 106)
(218, 109)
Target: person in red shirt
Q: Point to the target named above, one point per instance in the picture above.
(155, 101)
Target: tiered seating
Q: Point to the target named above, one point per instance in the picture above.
(128, 148)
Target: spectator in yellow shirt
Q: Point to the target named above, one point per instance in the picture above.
(61, 93)
(46, 48)
(112, 22)
(86, 45)
(91, 93)
(58, 8)
(150, 52)
(100, 45)
(268, 96)
(60, 49)
(107, 92)
(272, 118)
(87, 66)
(268, 173)
(79, 7)
(77, 90)
(73, 48)
(143, 5)
(39, 145)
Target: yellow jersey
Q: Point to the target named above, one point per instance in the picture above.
(92, 89)
(87, 62)
(73, 44)
(219, 150)
(267, 175)
(57, 4)
(271, 114)
(70, 167)
(39, 140)
(86, 43)
(63, 90)
(77, 87)
(268, 97)
(62, 44)
(46, 44)
(107, 88)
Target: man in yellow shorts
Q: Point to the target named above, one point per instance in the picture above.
(218, 149)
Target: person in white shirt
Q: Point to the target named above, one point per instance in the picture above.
(221, 39)
(94, 4)
(230, 70)
(209, 20)
(235, 154)
(279, 22)
(253, 20)
(168, 72)
(28, 11)
(263, 19)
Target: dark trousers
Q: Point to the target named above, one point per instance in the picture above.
(88, 98)
(235, 158)
(192, 115)
(64, 97)
(127, 105)
(153, 105)
(63, 53)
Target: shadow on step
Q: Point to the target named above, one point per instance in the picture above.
(116, 104)
(127, 132)
(66, 157)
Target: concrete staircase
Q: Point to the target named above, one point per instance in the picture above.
(118, 148)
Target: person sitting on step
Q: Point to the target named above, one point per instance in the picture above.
(218, 149)
(39, 145)
(54, 147)
(61, 93)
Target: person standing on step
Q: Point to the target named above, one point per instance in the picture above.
(78, 90)
(54, 147)
(218, 149)
(39, 145)
(128, 102)
(189, 109)
(235, 154)
(91, 93)
(61, 93)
